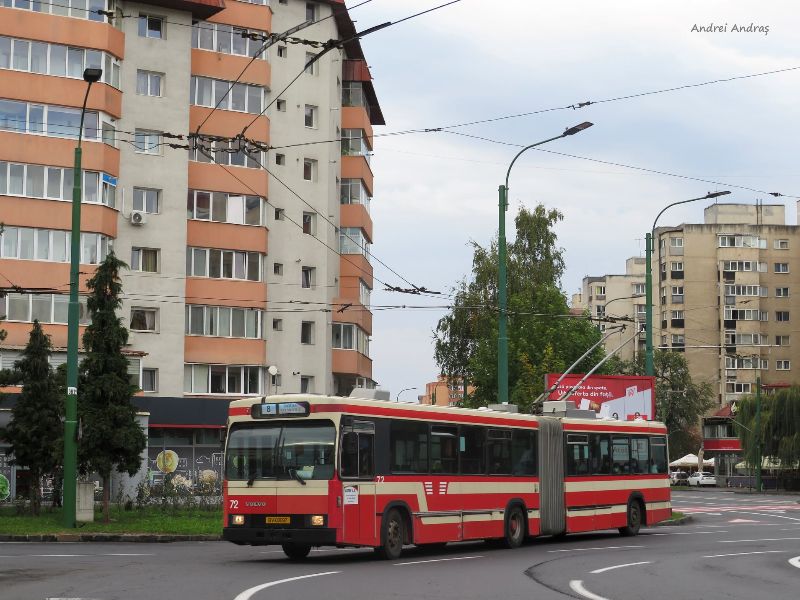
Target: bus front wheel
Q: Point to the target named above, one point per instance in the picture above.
(392, 535)
(296, 551)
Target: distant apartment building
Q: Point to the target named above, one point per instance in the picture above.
(233, 269)
(619, 297)
(445, 392)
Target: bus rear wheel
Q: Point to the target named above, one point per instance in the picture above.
(392, 536)
(296, 551)
(634, 519)
(515, 528)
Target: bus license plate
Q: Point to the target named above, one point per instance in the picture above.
(278, 520)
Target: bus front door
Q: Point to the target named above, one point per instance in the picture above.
(359, 520)
(360, 523)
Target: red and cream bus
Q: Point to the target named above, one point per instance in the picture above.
(303, 471)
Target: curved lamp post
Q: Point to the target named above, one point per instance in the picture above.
(502, 337)
(649, 279)
(90, 76)
(397, 398)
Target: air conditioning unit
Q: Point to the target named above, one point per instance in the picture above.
(138, 217)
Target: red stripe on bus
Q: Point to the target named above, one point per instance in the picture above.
(483, 419)
(613, 428)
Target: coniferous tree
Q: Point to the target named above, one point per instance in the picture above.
(111, 437)
(36, 432)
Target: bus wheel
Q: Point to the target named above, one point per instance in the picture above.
(515, 528)
(296, 551)
(392, 535)
(634, 519)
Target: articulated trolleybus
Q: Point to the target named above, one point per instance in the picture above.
(305, 471)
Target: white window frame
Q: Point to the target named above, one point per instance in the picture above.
(783, 365)
(311, 116)
(148, 198)
(144, 30)
(147, 141)
(150, 77)
(137, 253)
(781, 267)
(149, 310)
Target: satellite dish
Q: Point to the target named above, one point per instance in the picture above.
(272, 370)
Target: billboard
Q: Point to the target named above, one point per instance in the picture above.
(624, 397)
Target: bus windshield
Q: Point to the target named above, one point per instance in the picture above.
(280, 450)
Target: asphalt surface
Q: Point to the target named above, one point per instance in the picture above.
(737, 546)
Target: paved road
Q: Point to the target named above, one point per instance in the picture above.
(738, 546)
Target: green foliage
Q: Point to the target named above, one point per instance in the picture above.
(780, 427)
(541, 336)
(35, 432)
(680, 401)
(111, 436)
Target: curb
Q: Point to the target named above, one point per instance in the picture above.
(684, 520)
(110, 537)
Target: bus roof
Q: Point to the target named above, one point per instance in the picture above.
(380, 408)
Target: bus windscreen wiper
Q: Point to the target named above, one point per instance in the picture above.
(293, 473)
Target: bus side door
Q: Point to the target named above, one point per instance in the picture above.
(359, 518)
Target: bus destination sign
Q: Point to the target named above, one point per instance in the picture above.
(268, 410)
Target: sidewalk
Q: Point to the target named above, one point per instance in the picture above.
(148, 538)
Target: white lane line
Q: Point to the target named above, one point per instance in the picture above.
(759, 540)
(594, 548)
(66, 555)
(768, 515)
(795, 562)
(576, 585)
(746, 553)
(646, 562)
(248, 593)
(420, 562)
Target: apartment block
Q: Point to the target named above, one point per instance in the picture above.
(619, 297)
(245, 253)
(445, 392)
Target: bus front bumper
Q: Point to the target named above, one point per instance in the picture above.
(260, 536)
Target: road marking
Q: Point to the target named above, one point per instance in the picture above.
(65, 555)
(761, 540)
(419, 562)
(595, 548)
(772, 515)
(646, 562)
(742, 521)
(795, 562)
(248, 593)
(576, 585)
(746, 553)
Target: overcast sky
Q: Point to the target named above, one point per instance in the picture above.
(434, 192)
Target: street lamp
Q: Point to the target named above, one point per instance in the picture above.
(397, 398)
(90, 76)
(502, 337)
(649, 279)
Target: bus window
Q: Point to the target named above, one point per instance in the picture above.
(620, 455)
(639, 455)
(523, 452)
(658, 454)
(358, 450)
(472, 445)
(499, 451)
(600, 453)
(577, 454)
(444, 456)
(409, 446)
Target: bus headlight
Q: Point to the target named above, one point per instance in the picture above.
(237, 519)
(317, 520)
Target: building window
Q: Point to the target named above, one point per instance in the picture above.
(227, 39)
(352, 240)
(678, 339)
(224, 321)
(52, 245)
(239, 97)
(781, 340)
(782, 292)
(281, 105)
(677, 314)
(308, 276)
(306, 384)
(144, 319)
(151, 27)
(145, 260)
(224, 208)
(309, 169)
(309, 223)
(639, 289)
(282, 51)
(223, 264)
(676, 266)
(280, 159)
(277, 324)
(676, 242)
(781, 244)
(347, 336)
(277, 269)
(149, 380)
(365, 293)
(222, 379)
(782, 365)
(234, 153)
(781, 267)
(600, 290)
(352, 191)
(149, 83)
(600, 310)
(311, 65)
(782, 316)
(68, 8)
(311, 12)
(311, 116)
(307, 332)
(46, 308)
(146, 200)
(677, 294)
(56, 121)
(280, 214)
(147, 142)
(353, 94)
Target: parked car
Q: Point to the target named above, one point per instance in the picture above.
(679, 478)
(699, 478)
